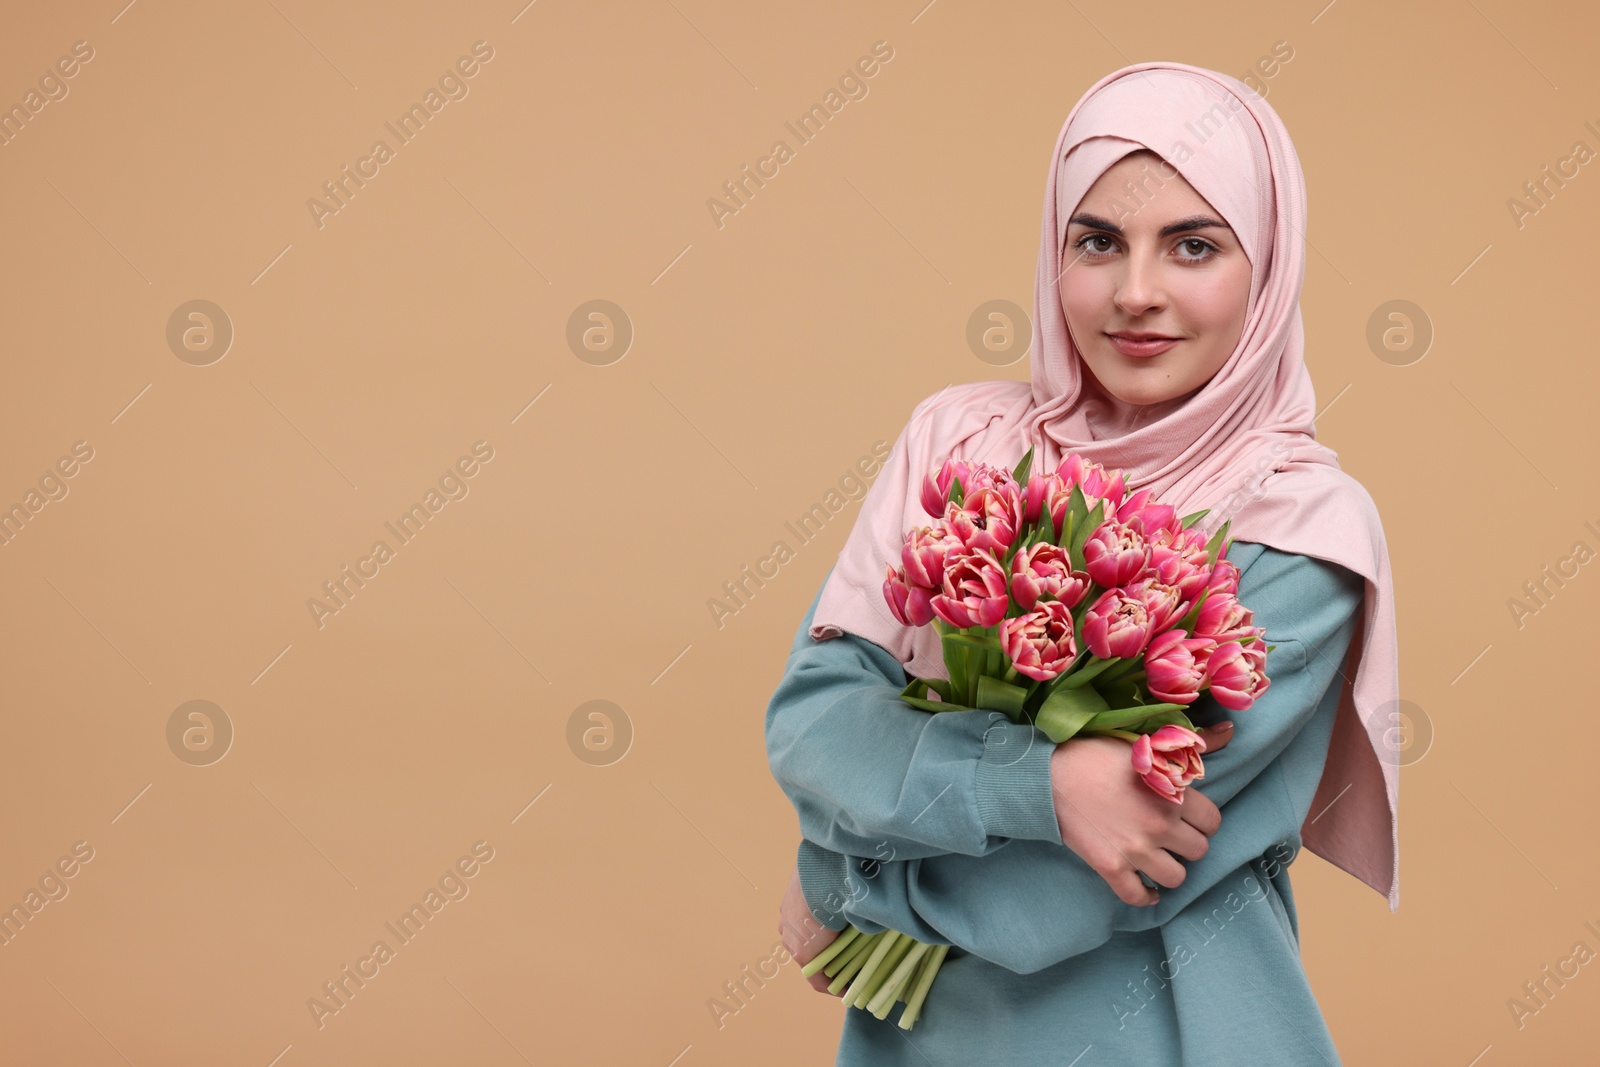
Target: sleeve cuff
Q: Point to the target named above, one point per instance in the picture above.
(1012, 786)
(825, 883)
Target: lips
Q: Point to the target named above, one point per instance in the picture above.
(1141, 345)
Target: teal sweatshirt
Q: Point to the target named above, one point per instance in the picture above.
(943, 826)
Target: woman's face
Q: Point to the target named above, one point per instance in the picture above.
(1154, 261)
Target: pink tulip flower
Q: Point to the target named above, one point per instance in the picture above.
(1040, 643)
(1236, 674)
(1169, 759)
(975, 591)
(911, 604)
(924, 555)
(1045, 570)
(1116, 625)
(1224, 577)
(1034, 496)
(1093, 480)
(1115, 554)
(1161, 600)
(1057, 497)
(936, 492)
(1172, 672)
(1179, 558)
(1223, 617)
(989, 517)
(1147, 516)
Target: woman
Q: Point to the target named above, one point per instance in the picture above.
(1170, 347)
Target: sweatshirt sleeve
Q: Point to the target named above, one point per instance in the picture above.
(1033, 905)
(869, 775)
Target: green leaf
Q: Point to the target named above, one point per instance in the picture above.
(1118, 692)
(957, 493)
(960, 637)
(1193, 616)
(1020, 474)
(955, 658)
(935, 706)
(1086, 673)
(1077, 506)
(1081, 533)
(1125, 717)
(1047, 525)
(1190, 520)
(1214, 546)
(999, 695)
(1166, 718)
(920, 687)
(1067, 711)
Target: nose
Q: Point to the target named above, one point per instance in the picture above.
(1139, 289)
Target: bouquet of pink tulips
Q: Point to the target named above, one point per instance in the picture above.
(1064, 602)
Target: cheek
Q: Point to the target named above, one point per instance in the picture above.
(1215, 303)
(1086, 298)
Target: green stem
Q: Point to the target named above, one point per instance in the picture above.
(919, 992)
(858, 988)
(837, 945)
(862, 944)
(883, 1001)
(887, 967)
(843, 978)
(1126, 735)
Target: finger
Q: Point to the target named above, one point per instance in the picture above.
(1199, 812)
(820, 982)
(1125, 883)
(1187, 842)
(1217, 735)
(1163, 869)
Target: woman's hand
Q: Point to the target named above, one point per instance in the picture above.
(802, 935)
(1117, 823)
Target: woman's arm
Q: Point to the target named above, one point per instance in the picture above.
(869, 775)
(1033, 905)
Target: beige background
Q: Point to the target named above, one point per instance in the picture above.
(371, 352)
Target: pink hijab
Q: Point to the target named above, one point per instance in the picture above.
(1243, 445)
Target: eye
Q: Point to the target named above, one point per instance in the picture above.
(1082, 245)
(1202, 249)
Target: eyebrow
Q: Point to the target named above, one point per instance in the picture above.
(1193, 222)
